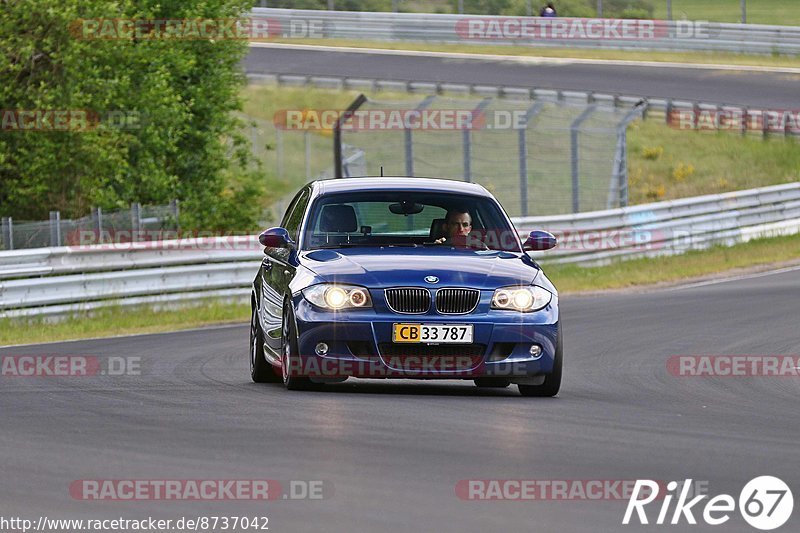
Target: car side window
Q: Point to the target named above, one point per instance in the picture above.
(294, 215)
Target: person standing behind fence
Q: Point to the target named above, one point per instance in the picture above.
(548, 11)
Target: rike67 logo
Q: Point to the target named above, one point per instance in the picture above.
(765, 503)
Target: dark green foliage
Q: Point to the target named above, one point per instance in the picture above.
(179, 95)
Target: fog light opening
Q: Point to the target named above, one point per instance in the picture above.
(321, 349)
(536, 351)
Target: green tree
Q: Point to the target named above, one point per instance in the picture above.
(176, 95)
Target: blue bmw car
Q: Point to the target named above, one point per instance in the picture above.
(400, 277)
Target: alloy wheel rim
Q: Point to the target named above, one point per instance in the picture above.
(253, 343)
(285, 352)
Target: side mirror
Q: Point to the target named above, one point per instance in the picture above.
(539, 241)
(275, 238)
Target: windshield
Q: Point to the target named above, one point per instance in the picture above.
(401, 218)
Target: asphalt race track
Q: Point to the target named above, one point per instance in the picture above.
(392, 452)
(765, 90)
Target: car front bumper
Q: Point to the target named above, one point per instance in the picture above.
(359, 344)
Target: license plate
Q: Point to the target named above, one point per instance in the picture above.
(432, 333)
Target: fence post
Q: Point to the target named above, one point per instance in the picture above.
(466, 139)
(574, 131)
(175, 208)
(337, 134)
(55, 228)
(744, 11)
(97, 225)
(619, 177)
(136, 220)
(523, 157)
(669, 9)
(409, 146)
(460, 7)
(7, 227)
(599, 9)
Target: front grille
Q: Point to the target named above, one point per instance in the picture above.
(457, 301)
(408, 300)
(437, 357)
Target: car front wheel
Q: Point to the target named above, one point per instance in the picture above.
(290, 355)
(552, 381)
(260, 370)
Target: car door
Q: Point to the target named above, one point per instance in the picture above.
(278, 269)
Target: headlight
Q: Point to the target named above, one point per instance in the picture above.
(335, 297)
(524, 299)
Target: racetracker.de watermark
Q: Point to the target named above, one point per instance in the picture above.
(208, 29)
(736, 120)
(69, 120)
(578, 29)
(322, 120)
(734, 366)
(126, 240)
(60, 366)
(199, 489)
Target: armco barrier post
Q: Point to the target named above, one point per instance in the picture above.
(55, 228)
(7, 232)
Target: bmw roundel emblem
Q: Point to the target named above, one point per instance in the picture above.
(431, 279)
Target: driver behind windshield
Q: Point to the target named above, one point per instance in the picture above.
(457, 225)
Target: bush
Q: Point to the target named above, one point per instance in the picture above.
(635, 13)
(180, 93)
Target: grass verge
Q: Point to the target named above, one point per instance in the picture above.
(701, 58)
(568, 279)
(120, 321)
(780, 12)
(665, 163)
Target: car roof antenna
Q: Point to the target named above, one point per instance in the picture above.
(381, 170)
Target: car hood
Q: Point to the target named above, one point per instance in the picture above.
(394, 267)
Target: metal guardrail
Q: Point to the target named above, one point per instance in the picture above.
(57, 281)
(622, 34)
(672, 227)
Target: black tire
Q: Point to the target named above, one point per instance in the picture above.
(492, 383)
(552, 381)
(289, 350)
(260, 370)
